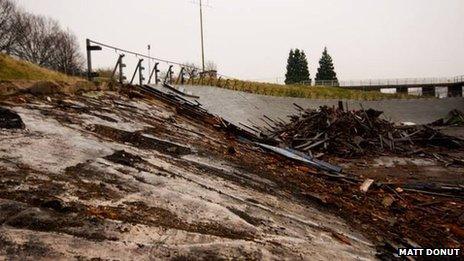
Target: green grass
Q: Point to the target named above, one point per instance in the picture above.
(302, 91)
(13, 69)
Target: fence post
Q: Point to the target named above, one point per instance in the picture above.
(200, 81)
(180, 79)
(89, 60)
(139, 64)
(91, 48)
(120, 65)
(168, 75)
(154, 71)
(121, 72)
(141, 68)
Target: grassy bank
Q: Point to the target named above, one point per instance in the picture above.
(14, 69)
(17, 77)
(301, 91)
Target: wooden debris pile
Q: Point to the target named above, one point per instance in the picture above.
(454, 118)
(355, 133)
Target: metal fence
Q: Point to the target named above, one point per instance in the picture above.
(395, 82)
(335, 83)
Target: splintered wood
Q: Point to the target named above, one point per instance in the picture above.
(354, 133)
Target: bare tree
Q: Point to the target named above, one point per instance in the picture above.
(191, 69)
(66, 56)
(40, 40)
(7, 21)
(36, 38)
(211, 66)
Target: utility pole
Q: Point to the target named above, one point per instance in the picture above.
(149, 60)
(202, 40)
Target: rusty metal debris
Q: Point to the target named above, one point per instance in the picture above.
(195, 111)
(171, 88)
(349, 134)
(387, 211)
(295, 155)
(334, 131)
(455, 118)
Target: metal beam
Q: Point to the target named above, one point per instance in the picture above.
(402, 89)
(180, 79)
(139, 64)
(168, 75)
(455, 90)
(120, 65)
(121, 71)
(141, 69)
(428, 91)
(155, 71)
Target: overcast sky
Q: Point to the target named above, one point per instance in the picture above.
(250, 39)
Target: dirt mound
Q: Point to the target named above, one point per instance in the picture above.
(10, 119)
(46, 87)
(355, 133)
(54, 87)
(7, 88)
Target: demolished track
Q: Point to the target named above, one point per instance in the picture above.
(260, 204)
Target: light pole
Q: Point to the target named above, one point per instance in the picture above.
(202, 41)
(149, 59)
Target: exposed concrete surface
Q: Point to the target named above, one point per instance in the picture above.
(69, 193)
(241, 107)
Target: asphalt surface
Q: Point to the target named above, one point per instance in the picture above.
(247, 108)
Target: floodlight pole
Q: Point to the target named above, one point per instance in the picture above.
(149, 60)
(202, 40)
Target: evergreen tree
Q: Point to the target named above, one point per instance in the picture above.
(326, 71)
(290, 75)
(297, 67)
(303, 71)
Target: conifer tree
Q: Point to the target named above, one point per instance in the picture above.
(326, 71)
(303, 70)
(291, 66)
(297, 67)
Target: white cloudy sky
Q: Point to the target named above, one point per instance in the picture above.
(251, 39)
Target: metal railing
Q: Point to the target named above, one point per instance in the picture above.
(192, 71)
(396, 82)
(334, 83)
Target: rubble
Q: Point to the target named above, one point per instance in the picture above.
(124, 158)
(454, 118)
(124, 177)
(294, 155)
(150, 173)
(366, 185)
(194, 111)
(350, 134)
